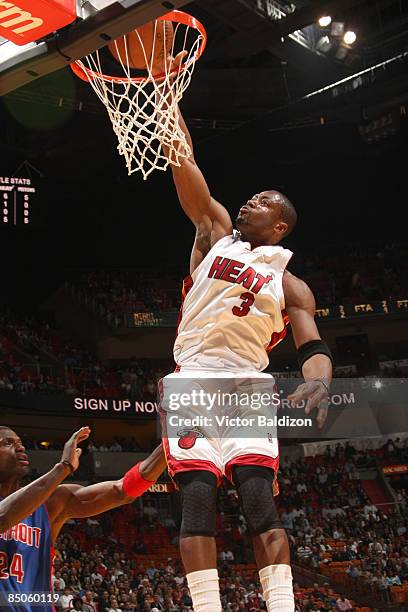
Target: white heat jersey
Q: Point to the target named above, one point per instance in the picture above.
(233, 308)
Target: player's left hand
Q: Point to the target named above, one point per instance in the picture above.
(315, 392)
(71, 452)
(172, 64)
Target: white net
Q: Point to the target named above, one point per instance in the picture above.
(143, 110)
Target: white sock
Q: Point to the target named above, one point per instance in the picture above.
(205, 590)
(276, 581)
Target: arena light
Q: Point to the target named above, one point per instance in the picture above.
(325, 21)
(350, 37)
(378, 384)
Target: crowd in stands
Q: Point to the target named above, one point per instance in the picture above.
(105, 580)
(37, 357)
(332, 525)
(110, 293)
(133, 382)
(127, 560)
(120, 562)
(340, 532)
(355, 274)
(350, 275)
(117, 445)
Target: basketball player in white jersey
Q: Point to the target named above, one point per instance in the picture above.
(237, 302)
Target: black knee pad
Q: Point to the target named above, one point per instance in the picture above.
(198, 500)
(254, 485)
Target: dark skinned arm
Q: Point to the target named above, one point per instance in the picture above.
(20, 504)
(300, 308)
(194, 194)
(75, 501)
(212, 221)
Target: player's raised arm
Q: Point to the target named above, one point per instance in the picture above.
(75, 501)
(211, 219)
(314, 355)
(20, 504)
(194, 194)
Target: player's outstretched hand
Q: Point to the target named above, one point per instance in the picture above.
(178, 60)
(316, 394)
(171, 65)
(71, 453)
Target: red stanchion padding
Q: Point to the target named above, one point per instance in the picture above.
(23, 21)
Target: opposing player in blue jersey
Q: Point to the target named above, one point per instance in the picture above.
(32, 516)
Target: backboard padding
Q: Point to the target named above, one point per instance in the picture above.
(79, 39)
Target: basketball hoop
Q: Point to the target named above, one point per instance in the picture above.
(143, 109)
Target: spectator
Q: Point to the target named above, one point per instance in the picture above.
(88, 602)
(343, 604)
(116, 447)
(58, 583)
(226, 555)
(304, 552)
(392, 580)
(113, 605)
(65, 600)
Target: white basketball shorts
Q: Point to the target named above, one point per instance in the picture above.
(213, 420)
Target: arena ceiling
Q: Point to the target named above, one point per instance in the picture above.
(255, 61)
(254, 74)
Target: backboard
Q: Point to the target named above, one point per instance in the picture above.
(98, 22)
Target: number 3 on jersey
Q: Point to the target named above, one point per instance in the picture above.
(247, 300)
(16, 567)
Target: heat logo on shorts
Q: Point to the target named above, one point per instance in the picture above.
(188, 438)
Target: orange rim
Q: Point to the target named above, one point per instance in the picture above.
(85, 73)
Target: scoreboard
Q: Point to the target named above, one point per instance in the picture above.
(16, 199)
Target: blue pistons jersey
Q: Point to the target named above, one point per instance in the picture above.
(25, 565)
